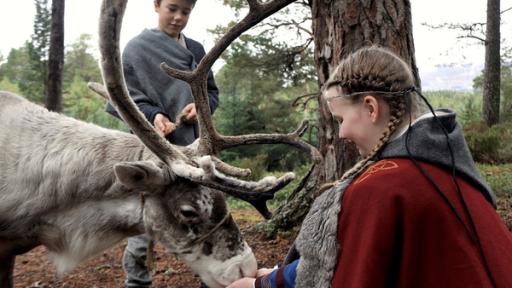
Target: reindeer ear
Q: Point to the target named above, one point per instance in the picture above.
(141, 174)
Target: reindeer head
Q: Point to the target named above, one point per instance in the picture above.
(191, 221)
(186, 214)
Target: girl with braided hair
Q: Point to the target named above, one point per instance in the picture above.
(414, 212)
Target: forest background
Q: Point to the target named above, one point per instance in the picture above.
(266, 82)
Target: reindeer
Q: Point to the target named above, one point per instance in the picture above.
(79, 189)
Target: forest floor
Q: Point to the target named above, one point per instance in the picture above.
(34, 270)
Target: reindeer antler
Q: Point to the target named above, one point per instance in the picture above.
(200, 170)
(211, 142)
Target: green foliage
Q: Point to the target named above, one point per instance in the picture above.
(80, 67)
(506, 91)
(2, 60)
(16, 63)
(236, 5)
(498, 177)
(40, 40)
(466, 104)
(7, 85)
(255, 99)
(81, 103)
(33, 85)
(27, 66)
(264, 73)
(490, 145)
(79, 62)
(281, 196)
(25, 71)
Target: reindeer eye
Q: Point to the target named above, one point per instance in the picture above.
(188, 212)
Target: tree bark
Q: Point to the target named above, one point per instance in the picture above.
(341, 27)
(492, 70)
(56, 57)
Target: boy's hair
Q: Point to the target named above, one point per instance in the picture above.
(193, 2)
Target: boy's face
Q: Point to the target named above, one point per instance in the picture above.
(173, 16)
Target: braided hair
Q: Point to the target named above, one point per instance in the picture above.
(377, 71)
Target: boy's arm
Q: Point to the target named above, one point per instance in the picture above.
(135, 89)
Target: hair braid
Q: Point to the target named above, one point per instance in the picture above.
(379, 71)
(397, 111)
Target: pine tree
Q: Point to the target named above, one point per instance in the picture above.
(34, 84)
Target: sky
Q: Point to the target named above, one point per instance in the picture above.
(443, 61)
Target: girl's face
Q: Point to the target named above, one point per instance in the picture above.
(362, 121)
(173, 16)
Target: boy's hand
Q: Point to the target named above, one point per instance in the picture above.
(189, 113)
(163, 125)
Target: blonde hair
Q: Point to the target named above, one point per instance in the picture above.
(379, 72)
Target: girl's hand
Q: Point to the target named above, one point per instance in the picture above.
(246, 282)
(263, 272)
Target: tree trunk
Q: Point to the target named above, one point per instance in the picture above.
(56, 57)
(341, 27)
(492, 70)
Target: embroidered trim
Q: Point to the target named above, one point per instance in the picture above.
(374, 169)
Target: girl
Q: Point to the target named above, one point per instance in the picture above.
(414, 212)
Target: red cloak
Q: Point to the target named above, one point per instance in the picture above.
(395, 230)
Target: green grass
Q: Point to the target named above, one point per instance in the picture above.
(499, 178)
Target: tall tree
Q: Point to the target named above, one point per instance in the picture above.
(341, 27)
(491, 93)
(80, 61)
(56, 57)
(33, 85)
(496, 55)
(265, 87)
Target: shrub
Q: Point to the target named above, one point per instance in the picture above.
(490, 145)
(281, 196)
(498, 177)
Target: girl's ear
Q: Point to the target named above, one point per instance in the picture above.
(371, 104)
